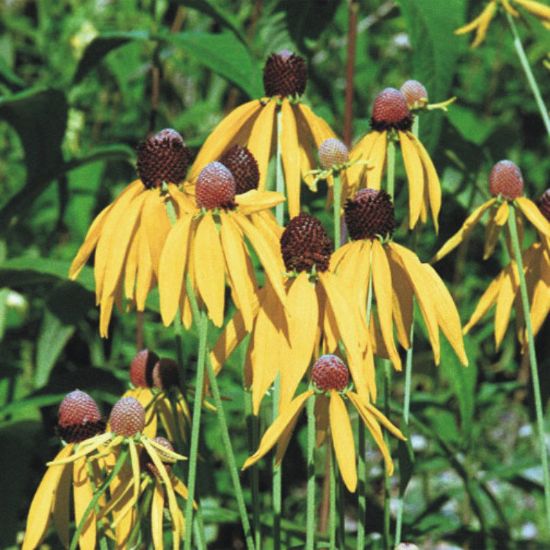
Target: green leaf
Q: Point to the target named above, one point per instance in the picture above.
(405, 457)
(102, 45)
(225, 55)
(9, 78)
(471, 126)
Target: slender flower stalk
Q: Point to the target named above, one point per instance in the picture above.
(512, 226)
(337, 210)
(529, 73)
(332, 507)
(310, 518)
(253, 423)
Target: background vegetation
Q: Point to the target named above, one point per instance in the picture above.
(75, 99)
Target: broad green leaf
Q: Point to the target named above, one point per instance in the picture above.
(470, 125)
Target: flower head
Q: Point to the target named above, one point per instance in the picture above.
(369, 214)
(285, 74)
(415, 94)
(141, 368)
(506, 179)
(244, 167)
(390, 111)
(215, 187)
(127, 417)
(332, 152)
(79, 417)
(329, 372)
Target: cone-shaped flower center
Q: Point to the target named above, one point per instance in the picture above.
(243, 166)
(330, 373)
(79, 417)
(285, 74)
(127, 417)
(368, 214)
(332, 152)
(165, 374)
(390, 110)
(544, 204)
(415, 94)
(505, 179)
(215, 187)
(141, 368)
(163, 157)
(305, 244)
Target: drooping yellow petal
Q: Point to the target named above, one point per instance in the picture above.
(505, 301)
(536, 8)
(144, 281)
(157, 513)
(83, 494)
(319, 128)
(261, 137)
(508, 7)
(42, 502)
(156, 225)
(383, 290)
(402, 307)
(172, 268)
(342, 440)
(131, 268)
(415, 177)
(62, 506)
(222, 135)
(276, 429)
(530, 210)
(86, 447)
(357, 172)
(464, 231)
(487, 300)
(540, 302)
(377, 159)
(474, 23)
(210, 268)
(492, 232)
(255, 201)
(291, 158)
(447, 314)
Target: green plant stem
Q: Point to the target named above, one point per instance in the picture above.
(529, 74)
(390, 175)
(253, 424)
(336, 207)
(279, 176)
(332, 505)
(310, 518)
(387, 481)
(202, 320)
(512, 226)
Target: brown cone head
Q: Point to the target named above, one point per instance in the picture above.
(79, 417)
(165, 374)
(330, 373)
(390, 110)
(368, 214)
(285, 74)
(163, 157)
(544, 204)
(332, 152)
(305, 243)
(141, 368)
(215, 187)
(127, 417)
(505, 179)
(415, 94)
(243, 166)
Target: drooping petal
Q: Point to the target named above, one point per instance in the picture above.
(540, 303)
(357, 172)
(274, 432)
(487, 300)
(536, 8)
(62, 506)
(261, 137)
(377, 159)
(415, 177)
(131, 268)
(157, 514)
(83, 494)
(402, 307)
(530, 210)
(505, 301)
(319, 128)
(291, 158)
(255, 201)
(342, 440)
(145, 280)
(156, 225)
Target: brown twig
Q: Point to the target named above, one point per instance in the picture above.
(353, 9)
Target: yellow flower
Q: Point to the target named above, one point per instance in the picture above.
(481, 23)
(208, 244)
(397, 275)
(128, 235)
(506, 186)
(503, 292)
(330, 378)
(254, 124)
(392, 120)
(317, 316)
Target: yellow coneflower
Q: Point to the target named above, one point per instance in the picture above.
(155, 384)
(116, 453)
(392, 120)
(503, 291)
(481, 23)
(208, 244)
(317, 316)
(397, 275)
(254, 124)
(506, 187)
(330, 377)
(128, 235)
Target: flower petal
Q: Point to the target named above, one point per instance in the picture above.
(144, 281)
(157, 514)
(530, 210)
(536, 8)
(156, 225)
(415, 177)
(291, 158)
(487, 300)
(377, 159)
(255, 201)
(83, 494)
(505, 301)
(260, 141)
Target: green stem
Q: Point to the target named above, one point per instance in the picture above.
(416, 125)
(387, 481)
(529, 73)
(310, 521)
(532, 358)
(253, 424)
(279, 176)
(336, 207)
(196, 424)
(390, 176)
(332, 506)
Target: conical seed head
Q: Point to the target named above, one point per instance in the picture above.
(369, 214)
(163, 157)
(330, 373)
(506, 179)
(285, 74)
(544, 204)
(305, 244)
(415, 94)
(79, 417)
(332, 152)
(141, 368)
(127, 417)
(215, 187)
(242, 164)
(390, 110)
(165, 374)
